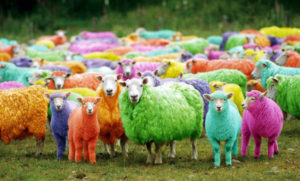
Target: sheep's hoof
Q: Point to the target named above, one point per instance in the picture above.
(149, 161)
(158, 162)
(171, 156)
(276, 153)
(217, 167)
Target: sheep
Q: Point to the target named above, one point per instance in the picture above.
(185, 56)
(47, 43)
(22, 62)
(235, 40)
(146, 48)
(91, 46)
(225, 37)
(289, 59)
(10, 85)
(262, 118)
(158, 58)
(55, 68)
(216, 40)
(128, 68)
(120, 50)
(280, 32)
(245, 66)
(193, 46)
(170, 69)
(265, 69)
(165, 34)
(224, 75)
(5, 57)
(61, 109)
(292, 38)
(223, 123)
(62, 80)
(148, 114)
(84, 130)
(48, 56)
(162, 52)
(81, 91)
(98, 35)
(237, 97)
(57, 39)
(96, 63)
(284, 90)
(254, 85)
(24, 114)
(101, 70)
(9, 50)
(213, 54)
(109, 116)
(152, 42)
(178, 37)
(102, 55)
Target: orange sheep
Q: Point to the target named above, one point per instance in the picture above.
(254, 85)
(293, 59)
(63, 80)
(250, 31)
(292, 38)
(109, 117)
(120, 50)
(197, 65)
(84, 130)
(153, 42)
(5, 57)
(9, 50)
(57, 39)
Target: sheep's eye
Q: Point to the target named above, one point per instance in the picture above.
(127, 86)
(224, 99)
(84, 104)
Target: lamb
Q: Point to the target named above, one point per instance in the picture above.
(148, 114)
(109, 116)
(262, 118)
(284, 90)
(237, 97)
(170, 69)
(223, 123)
(61, 109)
(224, 75)
(84, 129)
(96, 63)
(24, 114)
(245, 66)
(129, 68)
(193, 46)
(62, 80)
(10, 85)
(254, 85)
(289, 59)
(265, 69)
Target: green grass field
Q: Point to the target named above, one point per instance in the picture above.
(18, 162)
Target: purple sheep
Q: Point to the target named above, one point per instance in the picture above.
(274, 40)
(129, 68)
(61, 109)
(185, 56)
(22, 62)
(56, 68)
(10, 85)
(97, 35)
(262, 118)
(96, 63)
(225, 37)
(88, 47)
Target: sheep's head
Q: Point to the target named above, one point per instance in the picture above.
(260, 65)
(109, 84)
(177, 36)
(89, 104)
(58, 81)
(35, 77)
(219, 100)
(272, 92)
(127, 66)
(161, 70)
(37, 62)
(253, 97)
(251, 84)
(60, 33)
(2, 65)
(281, 59)
(218, 85)
(251, 38)
(58, 100)
(150, 76)
(135, 88)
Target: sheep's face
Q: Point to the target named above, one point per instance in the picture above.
(256, 74)
(135, 88)
(37, 63)
(219, 86)
(161, 70)
(58, 103)
(89, 104)
(281, 60)
(272, 92)
(150, 79)
(218, 99)
(59, 81)
(35, 77)
(251, 85)
(58, 99)
(127, 68)
(251, 38)
(109, 84)
(60, 33)
(251, 98)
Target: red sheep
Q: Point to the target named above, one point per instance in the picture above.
(197, 65)
(289, 59)
(9, 50)
(153, 42)
(57, 39)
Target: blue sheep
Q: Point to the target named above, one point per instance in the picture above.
(223, 123)
(61, 110)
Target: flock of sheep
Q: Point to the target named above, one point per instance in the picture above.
(151, 87)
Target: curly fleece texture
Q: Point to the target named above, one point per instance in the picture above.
(256, 85)
(102, 55)
(23, 113)
(109, 117)
(81, 91)
(263, 118)
(245, 66)
(166, 34)
(193, 46)
(224, 75)
(287, 93)
(153, 117)
(5, 57)
(223, 126)
(272, 69)
(234, 41)
(293, 60)
(48, 56)
(10, 85)
(173, 70)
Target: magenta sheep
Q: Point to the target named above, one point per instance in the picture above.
(10, 85)
(88, 47)
(98, 35)
(262, 118)
(129, 68)
(144, 48)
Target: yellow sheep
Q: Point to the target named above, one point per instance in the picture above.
(4, 57)
(156, 58)
(237, 97)
(170, 69)
(254, 55)
(102, 55)
(46, 43)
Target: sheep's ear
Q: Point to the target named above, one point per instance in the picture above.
(275, 80)
(119, 76)
(156, 73)
(67, 75)
(207, 97)
(145, 81)
(120, 63)
(0, 78)
(68, 94)
(229, 95)
(139, 74)
(42, 61)
(265, 65)
(47, 95)
(2, 66)
(98, 99)
(99, 77)
(122, 83)
(193, 61)
(180, 75)
(79, 99)
(133, 62)
(215, 85)
(263, 94)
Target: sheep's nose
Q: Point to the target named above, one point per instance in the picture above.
(59, 86)
(252, 75)
(89, 111)
(134, 96)
(109, 90)
(219, 108)
(58, 107)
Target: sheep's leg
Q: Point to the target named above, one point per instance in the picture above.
(257, 140)
(235, 147)
(276, 149)
(92, 150)
(78, 149)
(71, 149)
(216, 148)
(158, 156)
(172, 150)
(228, 150)
(60, 146)
(245, 138)
(106, 149)
(112, 150)
(124, 146)
(39, 146)
(149, 156)
(86, 150)
(271, 143)
(194, 147)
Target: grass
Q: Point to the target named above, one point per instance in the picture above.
(18, 162)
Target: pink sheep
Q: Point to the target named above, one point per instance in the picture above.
(129, 68)
(84, 130)
(88, 47)
(262, 118)
(97, 35)
(213, 54)
(144, 48)
(10, 85)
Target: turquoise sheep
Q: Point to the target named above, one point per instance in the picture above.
(223, 123)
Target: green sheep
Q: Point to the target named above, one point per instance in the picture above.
(193, 46)
(48, 56)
